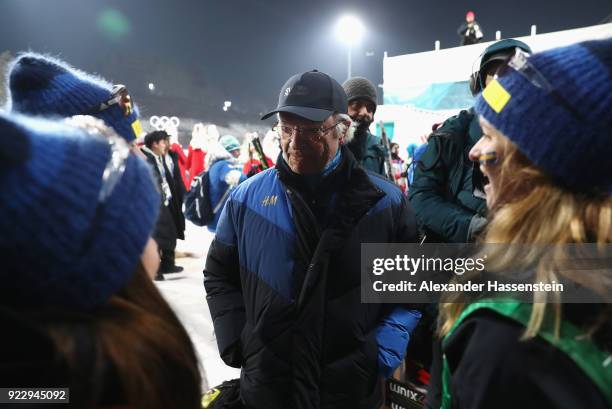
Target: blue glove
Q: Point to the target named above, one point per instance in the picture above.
(393, 336)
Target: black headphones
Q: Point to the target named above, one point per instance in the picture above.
(506, 47)
(475, 83)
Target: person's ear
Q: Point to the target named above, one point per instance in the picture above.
(345, 128)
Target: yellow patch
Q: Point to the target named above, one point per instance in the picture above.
(496, 96)
(137, 128)
(209, 397)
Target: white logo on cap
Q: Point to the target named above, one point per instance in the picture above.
(287, 91)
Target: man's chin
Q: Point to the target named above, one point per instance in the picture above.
(362, 121)
(303, 170)
(303, 167)
(362, 126)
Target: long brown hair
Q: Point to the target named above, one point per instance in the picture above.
(131, 351)
(532, 209)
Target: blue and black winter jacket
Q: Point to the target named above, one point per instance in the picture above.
(283, 285)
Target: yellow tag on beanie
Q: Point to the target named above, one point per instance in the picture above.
(137, 128)
(496, 96)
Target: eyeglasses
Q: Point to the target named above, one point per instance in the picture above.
(119, 96)
(312, 133)
(519, 62)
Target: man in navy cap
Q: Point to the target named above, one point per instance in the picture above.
(282, 275)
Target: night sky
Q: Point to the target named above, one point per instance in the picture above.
(200, 53)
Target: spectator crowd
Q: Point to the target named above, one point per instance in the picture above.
(91, 208)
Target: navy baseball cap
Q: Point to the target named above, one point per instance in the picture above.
(313, 95)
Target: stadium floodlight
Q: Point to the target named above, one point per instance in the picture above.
(349, 30)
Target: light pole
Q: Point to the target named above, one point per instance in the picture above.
(349, 30)
(350, 49)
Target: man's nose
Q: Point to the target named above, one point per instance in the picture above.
(298, 139)
(363, 111)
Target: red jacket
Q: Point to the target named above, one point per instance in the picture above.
(248, 170)
(195, 163)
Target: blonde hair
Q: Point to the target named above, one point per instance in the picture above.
(532, 209)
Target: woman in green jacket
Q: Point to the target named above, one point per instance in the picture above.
(546, 154)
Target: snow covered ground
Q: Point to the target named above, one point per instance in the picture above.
(185, 293)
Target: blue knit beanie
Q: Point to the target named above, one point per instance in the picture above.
(68, 238)
(565, 132)
(40, 85)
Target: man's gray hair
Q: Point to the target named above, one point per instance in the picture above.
(342, 128)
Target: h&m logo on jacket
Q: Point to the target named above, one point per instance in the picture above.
(269, 200)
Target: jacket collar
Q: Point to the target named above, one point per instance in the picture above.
(356, 194)
(145, 149)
